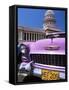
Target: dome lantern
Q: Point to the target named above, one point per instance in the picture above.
(49, 19)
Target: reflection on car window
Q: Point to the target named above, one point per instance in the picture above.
(61, 35)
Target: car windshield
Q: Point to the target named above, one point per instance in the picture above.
(56, 35)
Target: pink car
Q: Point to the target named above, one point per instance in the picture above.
(49, 56)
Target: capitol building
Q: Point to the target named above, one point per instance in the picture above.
(27, 34)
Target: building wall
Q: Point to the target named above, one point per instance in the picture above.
(30, 35)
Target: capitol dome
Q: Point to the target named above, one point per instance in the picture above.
(49, 16)
(49, 12)
(49, 19)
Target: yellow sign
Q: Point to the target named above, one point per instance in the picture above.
(50, 75)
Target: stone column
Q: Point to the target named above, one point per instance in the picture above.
(32, 37)
(26, 36)
(20, 35)
(29, 36)
(40, 37)
(36, 36)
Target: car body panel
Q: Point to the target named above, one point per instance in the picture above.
(39, 46)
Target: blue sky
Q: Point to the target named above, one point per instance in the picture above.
(34, 18)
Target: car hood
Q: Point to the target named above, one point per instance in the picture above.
(39, 47)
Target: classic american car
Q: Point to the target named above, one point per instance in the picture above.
(49, 56)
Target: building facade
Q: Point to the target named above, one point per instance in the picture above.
(26, 34)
